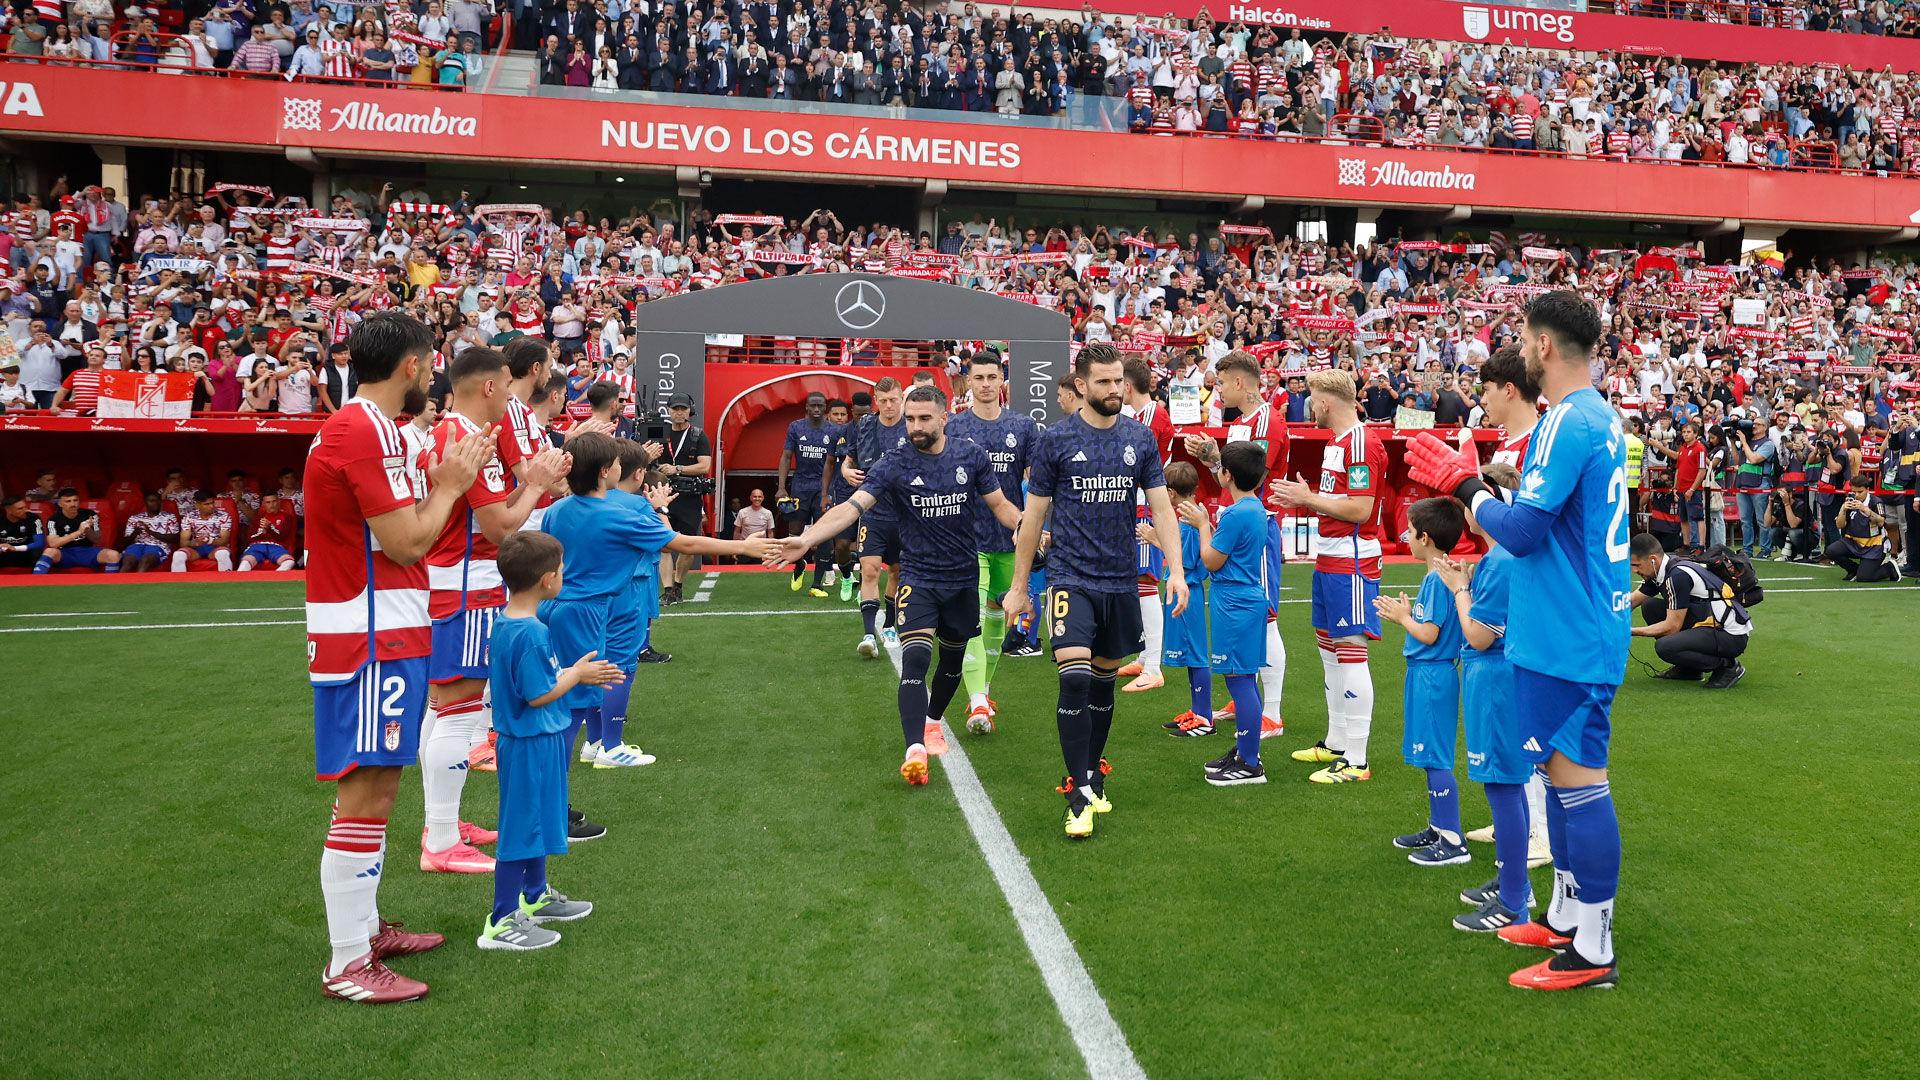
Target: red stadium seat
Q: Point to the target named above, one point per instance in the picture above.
(126, 498)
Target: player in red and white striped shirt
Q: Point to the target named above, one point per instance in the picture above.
(465, 594)
(1240, 389)
(369, 634)
(1346, 571)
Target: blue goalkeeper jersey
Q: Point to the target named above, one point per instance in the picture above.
(1569, 617)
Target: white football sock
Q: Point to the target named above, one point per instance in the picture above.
(179, 561)
(1273, 675)
(1536, 806)
(976, 701)
(444, 740)
(1154, 632)
(350, 883)
(1593, 938)
(1356, 696)
(222, 559)
(285, 565)
(1336, 739)
(1564, 911)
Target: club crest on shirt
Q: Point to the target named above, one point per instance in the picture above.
(960, 474)
(1127, 456)
(1013, 442)
(393, 735)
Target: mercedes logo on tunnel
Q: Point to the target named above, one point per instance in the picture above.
(859, 304)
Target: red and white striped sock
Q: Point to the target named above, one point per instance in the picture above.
(350, 883)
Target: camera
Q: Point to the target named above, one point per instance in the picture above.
(1737, 428)
(691, 485)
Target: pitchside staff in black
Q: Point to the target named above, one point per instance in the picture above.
(1086, 471)
(1696, 623)
(933, 490)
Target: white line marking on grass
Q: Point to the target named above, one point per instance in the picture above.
(146, 626)
(1102, 1045)
(1900, 589)
(1101, 1042)
(705, 591)
(72, 614)
(287, 607)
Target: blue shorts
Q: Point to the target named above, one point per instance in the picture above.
(139, 551)
(1571, 717)
(1184, 643)
(372, 718)
(576, 628)
(76, 555)
(1430, 711)
(265, 553)
(878, 539)
(460, 645)
(1693, 507)
(626, 626)
(1492, 720)
(1343, 604)
(533, 795)
(1239, 618)
(203, 551)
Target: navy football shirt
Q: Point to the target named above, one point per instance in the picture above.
(933, 496)
(809, 446)
(1008, 442)
(1093, 476)
(866, 444)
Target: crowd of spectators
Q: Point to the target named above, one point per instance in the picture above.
(1162, 75)
(254, 296)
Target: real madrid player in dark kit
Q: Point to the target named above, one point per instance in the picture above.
(803, 471)
(1006, 436)
(933, 490)
(1087, 470)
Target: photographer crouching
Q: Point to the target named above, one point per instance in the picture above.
(1697, 625)
(1862, 550)
(688, 466)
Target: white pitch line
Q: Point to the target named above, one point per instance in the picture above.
(1858, 590)
(705, 592)
(71, 614)
(1101, 1042)
(145, 626)
(1102, 1045)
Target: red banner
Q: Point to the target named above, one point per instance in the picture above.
(1495, 24)
(608, 134)
(166, 395)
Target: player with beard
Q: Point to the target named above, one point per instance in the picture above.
(934, 487)
(369, 634)
(804, 457)
(1567, 530)
(1086, 471)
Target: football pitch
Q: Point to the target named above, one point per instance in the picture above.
(772, 901)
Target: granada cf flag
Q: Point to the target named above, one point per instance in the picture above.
(149, 395)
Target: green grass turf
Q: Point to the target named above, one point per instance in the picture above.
(772, 902)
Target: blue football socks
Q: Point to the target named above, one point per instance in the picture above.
(1245, 690)
(1509, 805)
(1200, 692)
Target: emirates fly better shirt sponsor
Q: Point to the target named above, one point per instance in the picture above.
(1093, 476)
